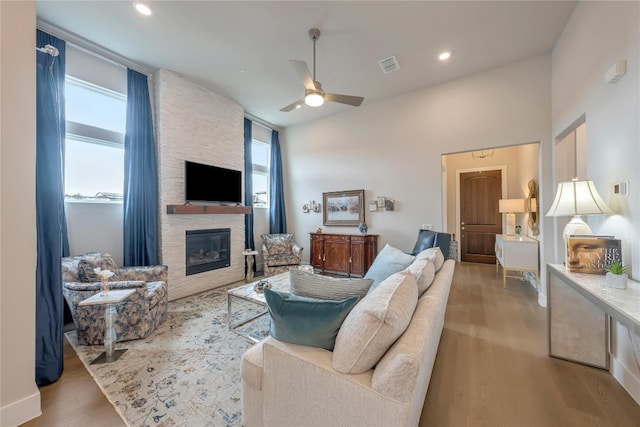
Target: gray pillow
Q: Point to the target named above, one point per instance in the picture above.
(311, 285)
(390, 260)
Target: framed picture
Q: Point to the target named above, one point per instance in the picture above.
(343, 207)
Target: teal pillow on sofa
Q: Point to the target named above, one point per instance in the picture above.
(390, 260)
(306, 321)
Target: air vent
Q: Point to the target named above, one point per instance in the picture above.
(389, 64)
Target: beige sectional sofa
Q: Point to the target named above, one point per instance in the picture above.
(285, 384)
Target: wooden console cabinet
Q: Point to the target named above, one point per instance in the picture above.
(350, 254)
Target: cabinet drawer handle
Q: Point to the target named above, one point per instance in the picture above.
(324, 258)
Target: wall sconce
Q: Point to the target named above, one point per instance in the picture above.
(312, 206)
(510, 207)
(575, 198)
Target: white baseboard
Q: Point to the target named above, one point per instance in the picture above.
(626, 378)
(21, 411)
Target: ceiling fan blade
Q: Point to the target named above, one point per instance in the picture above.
(292, 106)
(303, 73)
(344, 99)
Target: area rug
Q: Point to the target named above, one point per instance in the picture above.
(187, 373)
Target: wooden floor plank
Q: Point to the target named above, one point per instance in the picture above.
(494, 345)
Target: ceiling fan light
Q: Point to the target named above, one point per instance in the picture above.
(314, 99)
(142, 8)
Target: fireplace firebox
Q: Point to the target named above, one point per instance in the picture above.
(207, 250)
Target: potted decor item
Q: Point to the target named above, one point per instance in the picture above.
(616, 275)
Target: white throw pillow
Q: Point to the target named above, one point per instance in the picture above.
(435, 255)
(423, 271)
(375, 323)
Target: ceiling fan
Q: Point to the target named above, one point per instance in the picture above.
(314, 95)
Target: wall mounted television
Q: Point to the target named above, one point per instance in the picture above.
(206, 183)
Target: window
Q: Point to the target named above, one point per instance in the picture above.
(260, 153)
(94, 144)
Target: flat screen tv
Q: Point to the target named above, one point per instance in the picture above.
(206, 183)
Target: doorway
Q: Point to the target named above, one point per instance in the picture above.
(519, 164)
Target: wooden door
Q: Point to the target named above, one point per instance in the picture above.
(336, 253)
(480, 220)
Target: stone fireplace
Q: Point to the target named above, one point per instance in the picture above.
(196, 124)
(207, 250)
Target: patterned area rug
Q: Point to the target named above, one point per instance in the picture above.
(187, 373)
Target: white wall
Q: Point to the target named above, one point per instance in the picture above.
(596, 36)
(19, 396)
(393, 148)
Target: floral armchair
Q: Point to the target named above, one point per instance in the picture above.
(279, 253)
(138, 315)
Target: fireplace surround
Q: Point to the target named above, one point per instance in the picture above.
(207, 250)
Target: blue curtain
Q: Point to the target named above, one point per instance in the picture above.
(277, 217)
(50, 219)
(248, 189)
(140, 177)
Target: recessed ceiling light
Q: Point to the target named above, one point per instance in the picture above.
(142, 8)
(243, 71)
(444, 56)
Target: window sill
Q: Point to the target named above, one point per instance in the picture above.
(94, 201)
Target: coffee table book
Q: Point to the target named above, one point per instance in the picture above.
(592, 254)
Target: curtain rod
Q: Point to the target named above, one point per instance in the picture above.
(90, 47)
(261, 122)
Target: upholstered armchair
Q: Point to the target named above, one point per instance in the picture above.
(138, 315)
(279, 253)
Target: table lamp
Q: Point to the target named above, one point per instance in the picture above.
(510, 207)
(575, 198)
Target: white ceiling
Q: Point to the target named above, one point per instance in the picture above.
(210, 41)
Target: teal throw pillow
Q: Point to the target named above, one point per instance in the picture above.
(390, 260)
(306, 321)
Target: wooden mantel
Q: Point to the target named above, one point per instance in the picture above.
(207, 210)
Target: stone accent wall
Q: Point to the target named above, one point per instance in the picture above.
(194, 123)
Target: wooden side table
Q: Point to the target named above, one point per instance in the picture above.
(110, 354)
(250, 257)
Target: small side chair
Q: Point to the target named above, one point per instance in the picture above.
(279, 253)
(138, 315)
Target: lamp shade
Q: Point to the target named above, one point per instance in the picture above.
(577, 198)
(510, 205)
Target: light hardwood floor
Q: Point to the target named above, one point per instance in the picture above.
(492, 369)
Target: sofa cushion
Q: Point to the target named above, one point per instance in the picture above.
(311, 285)
(282, 259)
(435, 255)
(423, 271)
(375, 323)
(306, 321)
(390, 260)
(87, 265)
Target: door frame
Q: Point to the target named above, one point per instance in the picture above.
(503, 178)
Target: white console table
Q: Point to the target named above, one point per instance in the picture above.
(516, 253)
(579, 308)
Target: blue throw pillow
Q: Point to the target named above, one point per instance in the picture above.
(306, 321)
(390, 260)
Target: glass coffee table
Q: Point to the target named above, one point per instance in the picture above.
(252, 302)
